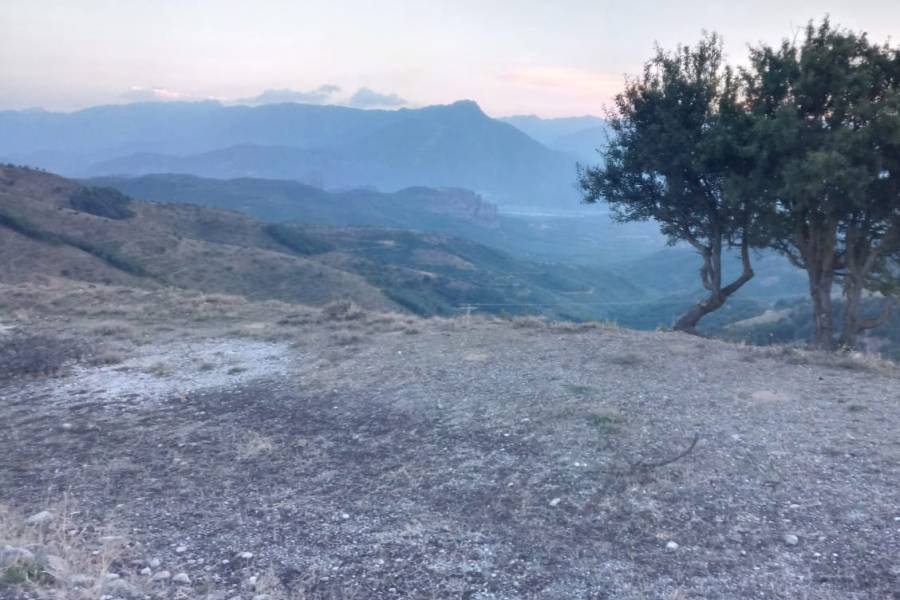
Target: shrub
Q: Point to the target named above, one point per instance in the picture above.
(102, 202)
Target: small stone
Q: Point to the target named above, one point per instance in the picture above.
(81, 581)
(262, 597)
(672, 545)
(181, 549)
(155, 563)
(146, 571)
(790, 539)
(182, 579)
(13, 555)
(245, 555)
(161, 576)
(345, 516)
(555, 501)
(121, 589)
(44, 517)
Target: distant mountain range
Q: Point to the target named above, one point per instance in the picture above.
(331, 147)
(579, 137)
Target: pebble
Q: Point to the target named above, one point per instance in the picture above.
(182, 579)
(672, 545)
(790, 539)
(155, 563)
(146, 571)
(181, 549)
(13, 555)
(121, 589)
(555, 501)
(42, 518)
(161, 576)
(81, 581)
(245, 555)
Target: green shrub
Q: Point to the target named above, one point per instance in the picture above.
(102, 202)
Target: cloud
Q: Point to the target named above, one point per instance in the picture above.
(368, 98)
(320, 95)
(155, 94)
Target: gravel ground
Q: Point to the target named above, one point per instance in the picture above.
(472, 460)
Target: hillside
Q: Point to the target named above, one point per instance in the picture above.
(53, 227)
(456, 145)
(419, 208)
(207, 446)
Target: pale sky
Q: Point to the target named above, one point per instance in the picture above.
(551, 58)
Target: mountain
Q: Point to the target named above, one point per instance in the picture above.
(455, 145)
(588, 238)
(579, 137)
(445, 209)
(54, 227)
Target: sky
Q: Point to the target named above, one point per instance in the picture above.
(550, 58)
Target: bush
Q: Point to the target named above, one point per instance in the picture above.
(102, 202)
(36, 355)
(297, 239)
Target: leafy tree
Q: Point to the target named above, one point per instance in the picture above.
(826, 143)
(679, 134)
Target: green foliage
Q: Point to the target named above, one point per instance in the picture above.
(826, 148)
(297, 239)
(102, 202)
(679, 142)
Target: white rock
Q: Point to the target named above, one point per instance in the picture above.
(245, 555)
(181, 549)
(182, 579)
(672, 545)
(555, 501)
(161, 576)
(146, 571)
(155, 563)
(42, 518)
(790, 539)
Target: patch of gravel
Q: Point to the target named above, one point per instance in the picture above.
(154, 372)
(484, 461)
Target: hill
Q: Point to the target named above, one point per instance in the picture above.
(419, 208)
(456, 145)
(53, 227)
(215, 447)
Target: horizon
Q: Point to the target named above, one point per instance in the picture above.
(538, 60)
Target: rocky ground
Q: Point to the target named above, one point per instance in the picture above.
(207, 447)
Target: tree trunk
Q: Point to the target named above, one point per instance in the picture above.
(711, 276)
(852, 306)
(820, 284)
(689, 320)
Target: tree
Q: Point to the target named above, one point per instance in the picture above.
(826, 142)
(679, 135)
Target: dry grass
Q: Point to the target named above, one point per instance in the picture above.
(253, 445)
(71, 560)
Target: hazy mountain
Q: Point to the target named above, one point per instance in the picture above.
(589, 238)
(421, 208)
(334, 147)
(579, 137)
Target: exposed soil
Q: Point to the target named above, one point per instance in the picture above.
(374, 457)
